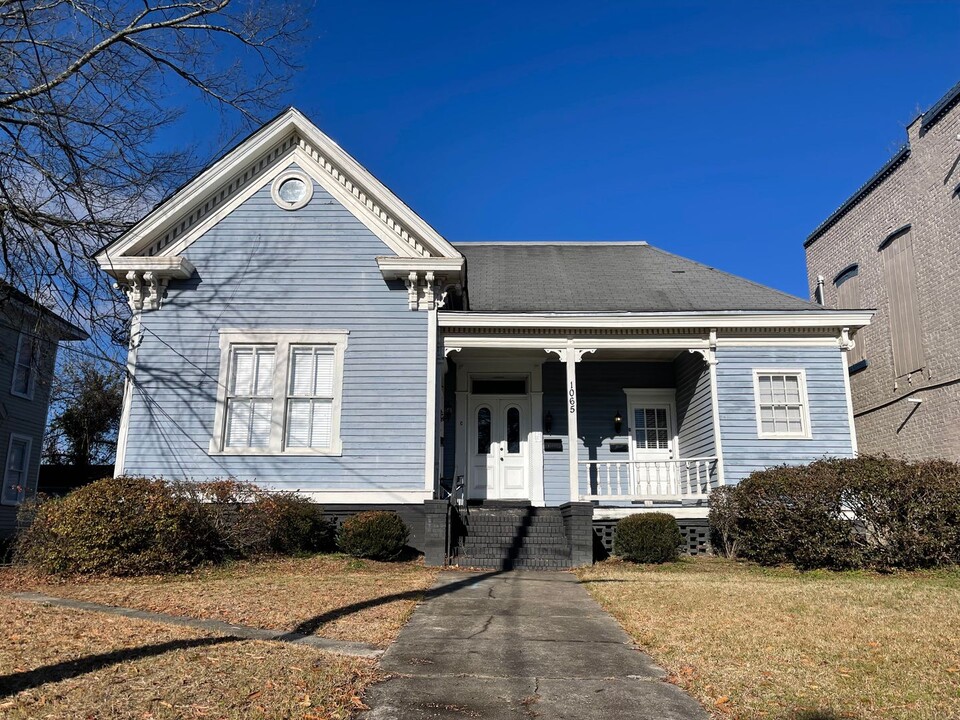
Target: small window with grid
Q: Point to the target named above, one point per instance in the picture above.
(782, 405)
(651, 428)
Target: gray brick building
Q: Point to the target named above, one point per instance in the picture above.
(895, 246)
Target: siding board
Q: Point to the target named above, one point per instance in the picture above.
(743, 451)
(266, 268)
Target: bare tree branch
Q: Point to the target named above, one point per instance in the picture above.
(86, 86)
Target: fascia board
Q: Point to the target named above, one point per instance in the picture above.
(399, 267)
(164, 265)
(658, 320)
(182, 200)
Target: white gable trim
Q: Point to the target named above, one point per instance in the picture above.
(290, 138)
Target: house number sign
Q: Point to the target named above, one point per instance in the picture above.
(572, 400)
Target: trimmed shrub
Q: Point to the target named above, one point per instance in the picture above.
(296, 525)
(250, 521)
(117, 526)
(868, 512)
(795, 514)
(376, 534)
(647, 538)
(907, 514)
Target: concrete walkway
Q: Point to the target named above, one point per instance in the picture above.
(520, 645)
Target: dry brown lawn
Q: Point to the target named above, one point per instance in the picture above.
(330, 596)
(760, 643)
(71, 664)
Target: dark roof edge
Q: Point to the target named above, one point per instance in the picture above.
(69, 330)
(562, 243)
(940, 108)
(740, 278)
(878, 177)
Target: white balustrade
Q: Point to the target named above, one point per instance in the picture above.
(638, 480)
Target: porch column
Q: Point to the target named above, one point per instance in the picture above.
(570, 357)
(710, 356)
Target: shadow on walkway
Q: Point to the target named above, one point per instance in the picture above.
(308, 627)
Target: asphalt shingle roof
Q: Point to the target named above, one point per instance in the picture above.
(605, 277)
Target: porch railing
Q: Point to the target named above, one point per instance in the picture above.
(639, 480)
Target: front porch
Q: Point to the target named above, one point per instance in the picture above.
(628, 423)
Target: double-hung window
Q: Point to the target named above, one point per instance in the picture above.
(781, 401)
(24, 367)
(250, 396)
(310, 396)
(280, 392)
(16, 469)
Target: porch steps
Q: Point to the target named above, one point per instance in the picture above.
(512, 537)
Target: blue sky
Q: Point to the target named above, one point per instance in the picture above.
(724, 132)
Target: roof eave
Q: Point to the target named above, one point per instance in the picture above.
(826, 319)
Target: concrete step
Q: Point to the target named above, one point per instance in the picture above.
(520, 564)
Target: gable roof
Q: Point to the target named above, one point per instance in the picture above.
(518, 277)
(289, 138)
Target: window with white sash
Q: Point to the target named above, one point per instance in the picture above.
(781, 400)
(16, 469)
(250, 396)
(24, 367)
(310, 396)
(280, 392)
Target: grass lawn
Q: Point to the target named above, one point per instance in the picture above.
(63, 663)
(760, 643)
(331, 596)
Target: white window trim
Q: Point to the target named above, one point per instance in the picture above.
(804, 399)
(6, 467)
(282, 340)
(32, 375)
(292, 173)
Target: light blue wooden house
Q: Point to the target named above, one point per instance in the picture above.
(297, 325)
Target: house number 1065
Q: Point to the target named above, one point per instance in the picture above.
(573, 399)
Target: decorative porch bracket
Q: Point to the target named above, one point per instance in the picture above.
(571, 355)
(709, 353)
(144, 279)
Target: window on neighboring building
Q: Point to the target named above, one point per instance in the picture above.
(781, 397)
(24, 367)
(848, 298)
(901, 282)
(279, 392)
(16, 469)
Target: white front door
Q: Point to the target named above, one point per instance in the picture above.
(498, 447)
(653, 443)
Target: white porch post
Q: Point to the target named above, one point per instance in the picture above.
(711, 357)
(570, 357)
(430, 475)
